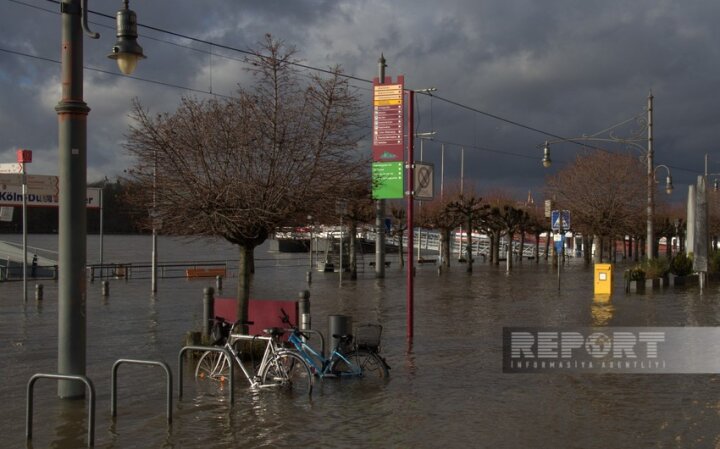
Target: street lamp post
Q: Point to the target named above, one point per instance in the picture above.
(633, 141)
(72, 144)
(309, 273)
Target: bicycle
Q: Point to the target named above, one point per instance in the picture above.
(279, 367)
(347, 359)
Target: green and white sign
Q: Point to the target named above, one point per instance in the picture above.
(387, 180)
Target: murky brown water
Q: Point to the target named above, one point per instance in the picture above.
(447, 391)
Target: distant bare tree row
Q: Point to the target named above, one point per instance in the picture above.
(607, 195)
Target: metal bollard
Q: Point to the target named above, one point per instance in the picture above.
(208, 312)
(38, 292)
(105, 288)
(337, 325)
(304, 309)
(218, 283)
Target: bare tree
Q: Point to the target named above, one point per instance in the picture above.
(471, 210)
(360, 209)
(437, 214)
(238, 168)
(606, 193)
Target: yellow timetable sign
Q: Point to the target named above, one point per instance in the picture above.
(389, 102)
(388, 95)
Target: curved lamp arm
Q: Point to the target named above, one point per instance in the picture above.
(84, 21)
(668, 178)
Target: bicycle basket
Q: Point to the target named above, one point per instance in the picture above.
(367, 336)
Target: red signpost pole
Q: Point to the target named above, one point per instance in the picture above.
(410, 204)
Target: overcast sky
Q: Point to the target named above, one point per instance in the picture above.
(563, 67)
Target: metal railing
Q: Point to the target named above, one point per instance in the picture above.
(91, 409)
(168, 384)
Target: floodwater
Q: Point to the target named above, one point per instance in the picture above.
(446, 390)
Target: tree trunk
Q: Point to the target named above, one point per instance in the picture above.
(491, 248)
(597, 254)
(245, 264)
(446, 235)
(496, 235)
(537, 247)
(522, 247)
(509, 252)
(587, 249)
(547, 244)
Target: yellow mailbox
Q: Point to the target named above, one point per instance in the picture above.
(603, 279)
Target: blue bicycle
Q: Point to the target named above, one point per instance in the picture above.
(350, 357)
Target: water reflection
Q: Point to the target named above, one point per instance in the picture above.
(446, 389)
(602, 310)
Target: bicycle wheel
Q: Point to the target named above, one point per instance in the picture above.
(344, 367)
(370, 363)
(213, 366)
(288, 372)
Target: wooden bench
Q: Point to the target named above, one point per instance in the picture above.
(204, 272)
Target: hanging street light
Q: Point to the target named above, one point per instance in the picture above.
(126, 50)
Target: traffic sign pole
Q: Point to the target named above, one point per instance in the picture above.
(410, 224)
(24, 157)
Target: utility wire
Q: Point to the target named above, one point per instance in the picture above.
(296, 64)
(327, 71)
(108, 72)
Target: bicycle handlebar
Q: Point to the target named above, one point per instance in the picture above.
(285, 318)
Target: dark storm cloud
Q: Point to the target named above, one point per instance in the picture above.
(567, 67)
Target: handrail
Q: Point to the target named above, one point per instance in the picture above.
(181, 357)
(168, 384)
(91, 410)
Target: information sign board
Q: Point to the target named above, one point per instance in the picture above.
(387, 180)
(388, 121)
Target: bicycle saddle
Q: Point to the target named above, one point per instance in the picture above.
(274, 331)
(344, 338)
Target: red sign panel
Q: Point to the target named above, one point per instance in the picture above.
(388, 120)
(263, 313)
(24, 156)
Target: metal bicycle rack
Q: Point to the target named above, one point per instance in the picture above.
(168, 384)
(91, 409)
(181, 358)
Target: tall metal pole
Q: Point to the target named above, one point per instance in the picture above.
(442, 170)
(650, 238)
(153, 286)
(420, 234)
(380, 205)
(559, 249)
(25, 229)
(462, 175)
(410, 225)
(102, 228)
(72, 143)
(462, 168)
(340, 271)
